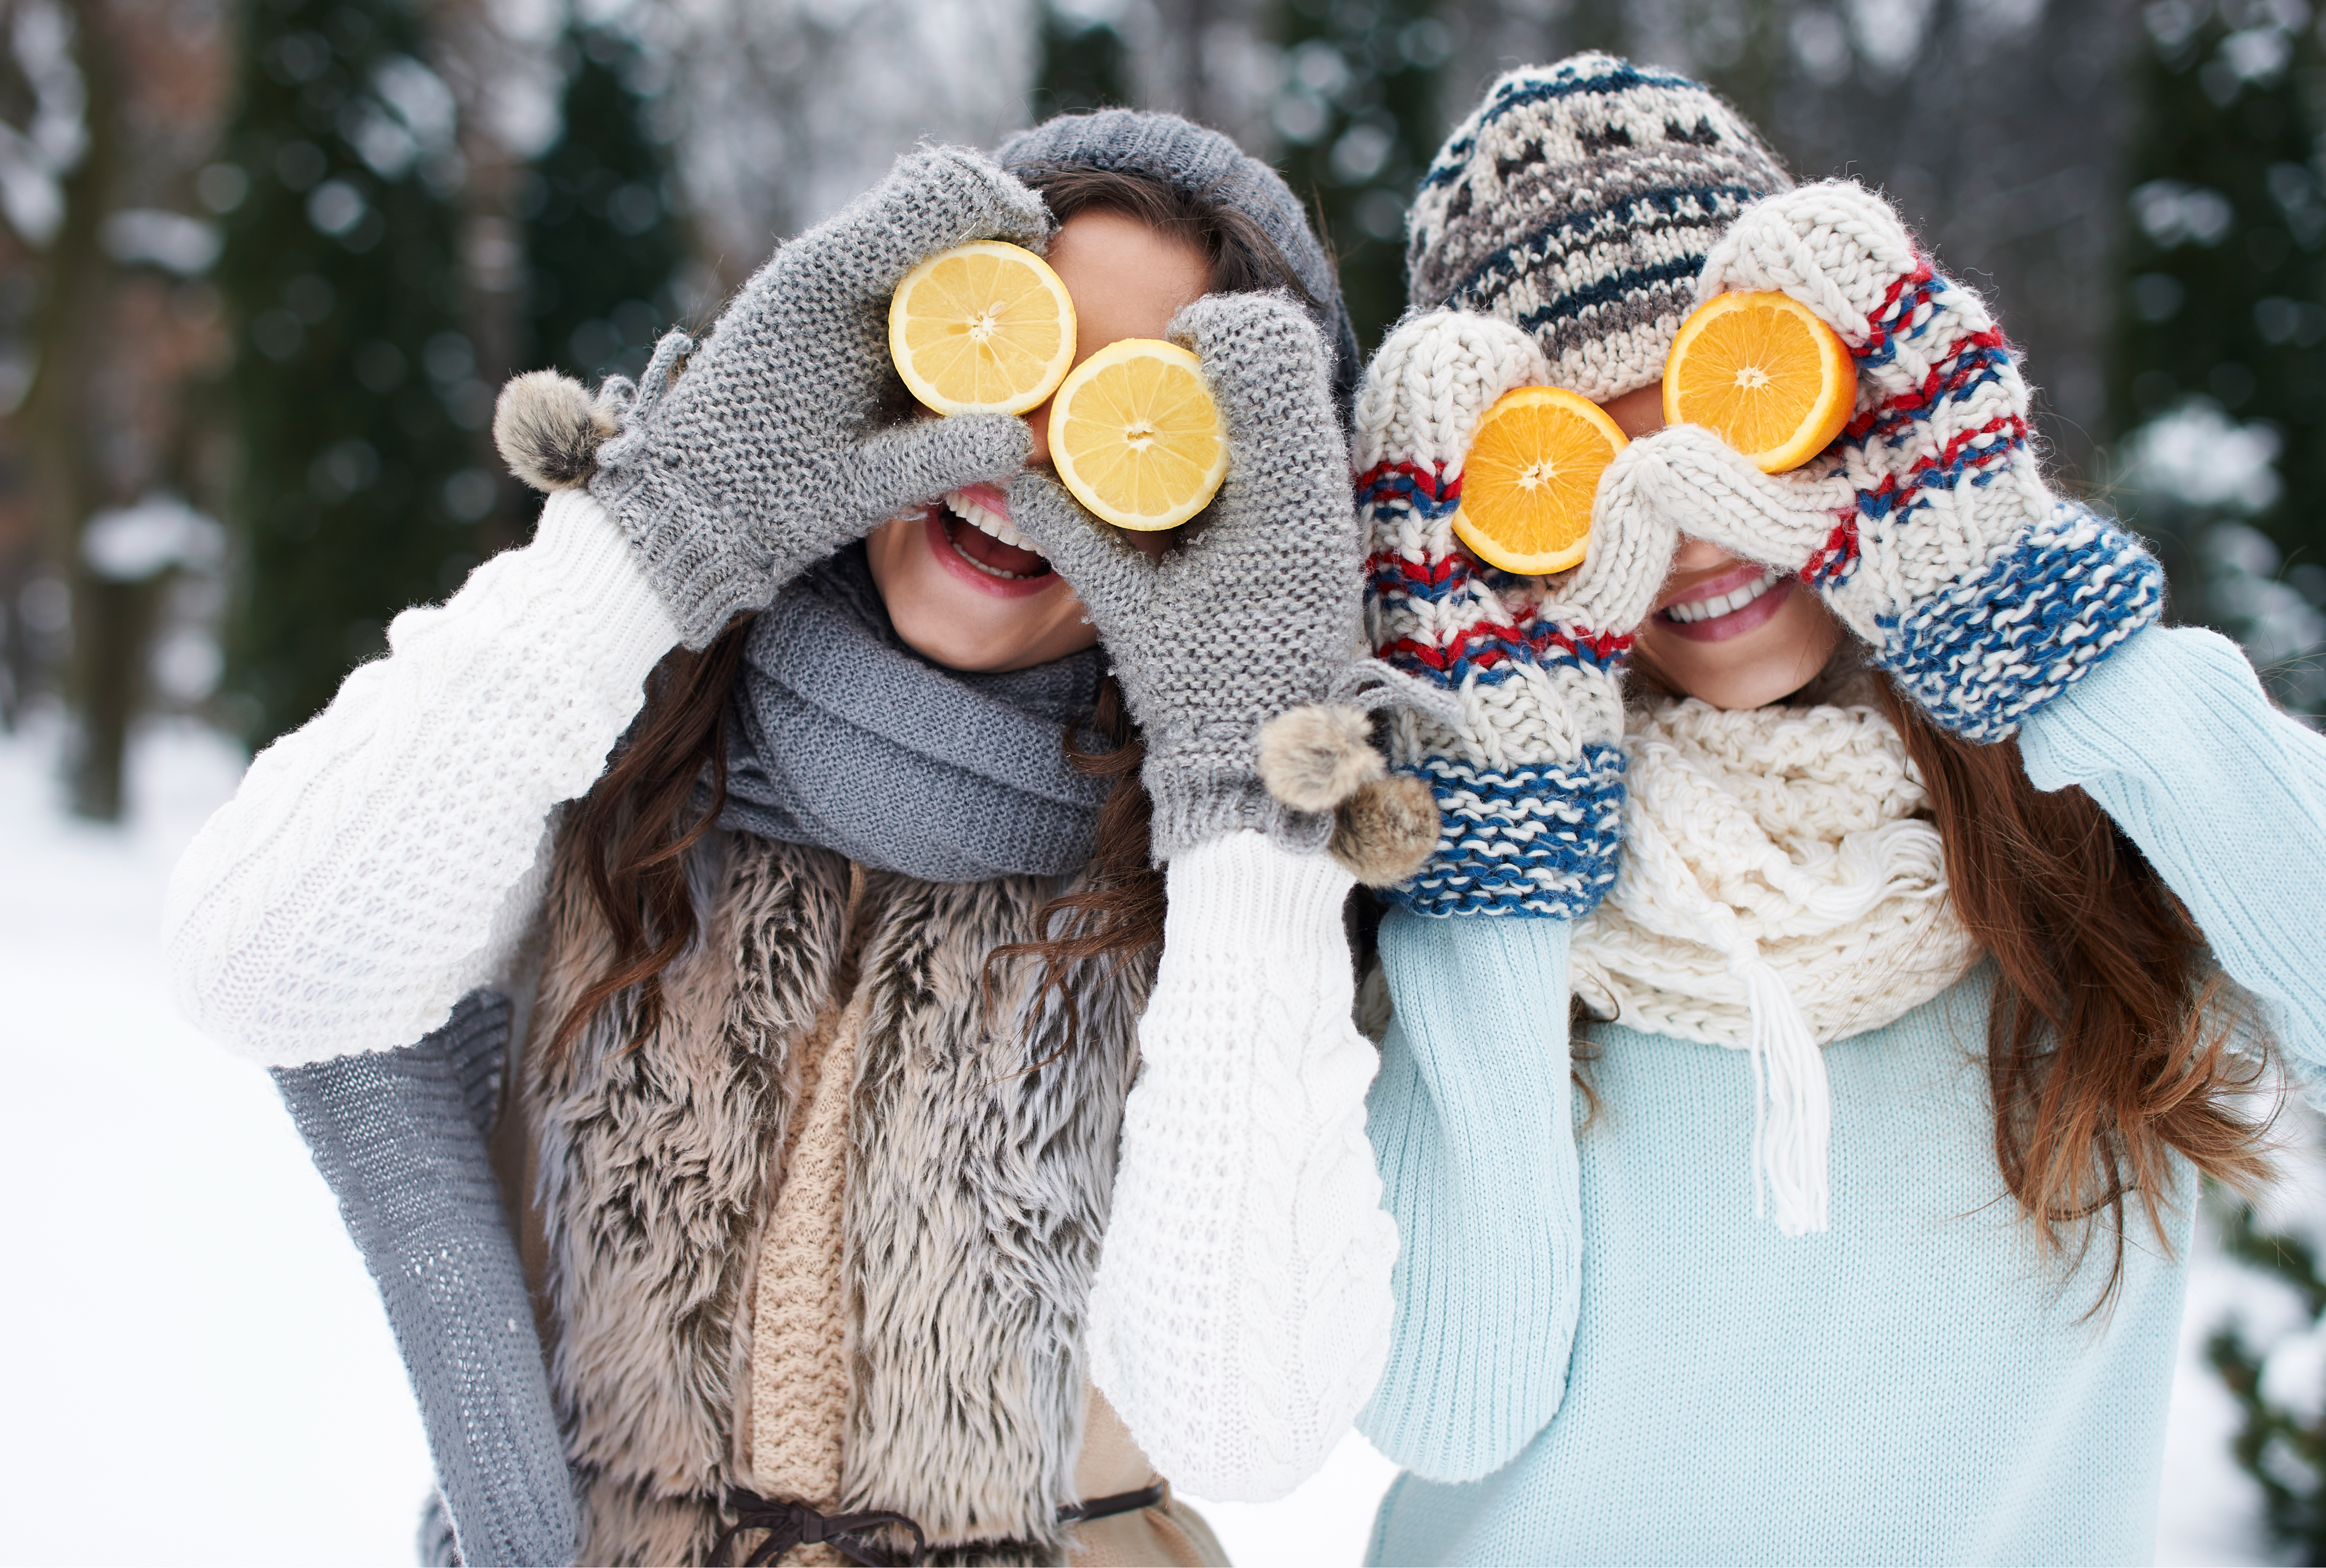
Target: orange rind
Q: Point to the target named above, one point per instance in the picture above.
(1530, 479)
(1764, 373)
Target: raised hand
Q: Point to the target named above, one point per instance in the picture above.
(1529, 777)
(1981, 592)
(1257, 611)
(756, 460)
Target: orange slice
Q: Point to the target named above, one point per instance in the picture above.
(1136, 436)
(1762, 373)
(1528, 480)
(983, 327)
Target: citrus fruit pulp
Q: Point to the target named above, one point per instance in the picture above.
(1530, 477)
(983, 327)
(1762, 373)
(1136, 436)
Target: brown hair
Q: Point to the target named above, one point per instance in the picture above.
(636, 823)
(2108, 1034)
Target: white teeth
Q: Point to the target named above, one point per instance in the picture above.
(1705, 609)
(986, 521)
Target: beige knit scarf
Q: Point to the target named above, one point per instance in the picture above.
(1782, 888)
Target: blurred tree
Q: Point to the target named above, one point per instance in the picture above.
(1084, 63)
(1358, 114)
(2279, 1389)
(2222, 319)
(602, 242)
(355, 388)
(119, 103)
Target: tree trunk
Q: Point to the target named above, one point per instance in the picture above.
(64, 427)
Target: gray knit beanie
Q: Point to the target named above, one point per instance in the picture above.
(1204, 164)
(1578, 202)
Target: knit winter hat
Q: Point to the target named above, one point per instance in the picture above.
(1205, 164)
(1578, 202)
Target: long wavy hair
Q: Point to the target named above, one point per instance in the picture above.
(2108, 1039)
(668, 783)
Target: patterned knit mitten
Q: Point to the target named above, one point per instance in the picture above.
(1930, 530)
(1529, 780)
(1256, 612)
(754, 463)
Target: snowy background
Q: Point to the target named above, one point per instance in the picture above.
(199, 1370)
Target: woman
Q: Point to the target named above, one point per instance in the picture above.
(840, 974)
(1908, 913)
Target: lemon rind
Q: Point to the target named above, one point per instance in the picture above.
(1021, 402)
(1078, 486)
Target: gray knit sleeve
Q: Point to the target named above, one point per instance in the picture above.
(400, 1137)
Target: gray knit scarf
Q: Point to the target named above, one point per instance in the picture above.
(841, 737)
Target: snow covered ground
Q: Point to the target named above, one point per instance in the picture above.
(198, 1369)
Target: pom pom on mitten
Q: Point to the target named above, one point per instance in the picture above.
(548, 431)
(1320, 757)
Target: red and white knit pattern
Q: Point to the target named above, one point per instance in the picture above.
(1529, 783)
(1979, 590)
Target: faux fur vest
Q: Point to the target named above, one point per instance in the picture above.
(980, 1158)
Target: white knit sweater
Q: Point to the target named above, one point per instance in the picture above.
(390, 857)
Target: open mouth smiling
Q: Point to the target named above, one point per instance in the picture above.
(1727, 605)
(971, 535)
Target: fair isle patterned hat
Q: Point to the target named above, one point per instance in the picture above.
(1578, 203)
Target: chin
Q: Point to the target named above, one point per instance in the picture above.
(950, 610)
(1772, 660)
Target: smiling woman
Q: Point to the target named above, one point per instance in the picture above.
(961, 585)
(781, 774)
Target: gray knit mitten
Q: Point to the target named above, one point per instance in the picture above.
(400, 1137)
(1259, 611)
(756, 460)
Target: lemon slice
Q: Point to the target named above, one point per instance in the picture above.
(1530, 478)
(983, 327)
(1136, 436)
(1764, 373)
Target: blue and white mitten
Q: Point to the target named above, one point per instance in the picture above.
(1529, 780)
(1929, 527)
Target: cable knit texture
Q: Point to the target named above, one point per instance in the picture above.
(1241, 1310)
(1529, 781)
(1701, 1388)
(384, 859)
(1778, 892)
(1577, 203)
(755, 461)
(799, 1312)
(1259, 610)
(1929, 528)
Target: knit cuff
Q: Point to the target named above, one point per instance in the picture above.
(701, 562)
(1540, 839)
(1196, 802)
(1982, 655)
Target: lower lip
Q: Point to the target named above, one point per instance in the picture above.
(953, 560)
(1736, 622)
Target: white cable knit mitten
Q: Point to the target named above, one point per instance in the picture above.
(1529, 783)
(1981, 592)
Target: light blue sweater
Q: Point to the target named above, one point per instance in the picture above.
(1601, 1356)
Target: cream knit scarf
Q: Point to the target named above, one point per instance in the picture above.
(1778, 892)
